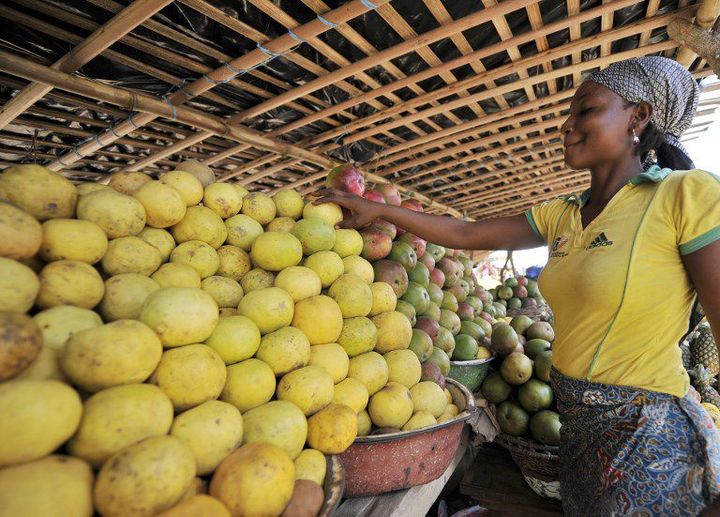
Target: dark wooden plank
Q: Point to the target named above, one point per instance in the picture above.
(497, 484)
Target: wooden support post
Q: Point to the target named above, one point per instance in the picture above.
(120, 24)
(508, 261)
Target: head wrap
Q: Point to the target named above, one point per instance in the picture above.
(661, 82)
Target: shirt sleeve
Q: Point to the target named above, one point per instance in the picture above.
(544, 218)
(697, 211)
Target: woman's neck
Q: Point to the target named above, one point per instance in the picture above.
(608, 178)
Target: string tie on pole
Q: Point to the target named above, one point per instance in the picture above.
(173, 108)
(327, 22)
(296, 37)
(268, 52)
(130, 120)
(112, 129)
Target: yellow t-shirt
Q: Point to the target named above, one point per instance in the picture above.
(618, 288)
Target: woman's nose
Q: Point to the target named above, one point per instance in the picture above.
(567, 126)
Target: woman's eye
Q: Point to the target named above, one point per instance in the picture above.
(586, 110)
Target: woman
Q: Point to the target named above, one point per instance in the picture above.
(627, 259)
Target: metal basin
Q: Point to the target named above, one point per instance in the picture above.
(396, 461)
(470, 374)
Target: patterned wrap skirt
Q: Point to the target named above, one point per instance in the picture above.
(627, 451)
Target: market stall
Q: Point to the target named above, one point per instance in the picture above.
(184, 332)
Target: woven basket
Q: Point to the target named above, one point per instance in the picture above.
(534, 459)
(538, 312)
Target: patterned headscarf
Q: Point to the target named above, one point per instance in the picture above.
(661, 82)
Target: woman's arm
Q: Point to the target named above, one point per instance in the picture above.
(703, 266)
(504, 233)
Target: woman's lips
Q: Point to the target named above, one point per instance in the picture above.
(571, 144)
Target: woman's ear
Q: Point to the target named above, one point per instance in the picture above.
(641, 117)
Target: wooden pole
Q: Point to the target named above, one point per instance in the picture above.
(697, 41)
(705, 16)
(228, 71)
(151, 106)
(118, 26)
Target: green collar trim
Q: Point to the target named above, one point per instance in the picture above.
(654, 174)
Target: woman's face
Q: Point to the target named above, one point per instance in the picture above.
(599, 128)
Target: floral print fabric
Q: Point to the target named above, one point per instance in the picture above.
(627, 451)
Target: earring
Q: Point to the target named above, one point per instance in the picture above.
(636, 139)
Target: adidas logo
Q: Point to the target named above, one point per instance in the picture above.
(558, 243)
(599, 241)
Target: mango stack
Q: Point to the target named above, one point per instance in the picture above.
(184, 347)
(438, 293)
(520, 385)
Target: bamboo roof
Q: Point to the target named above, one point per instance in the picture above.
(457, 102)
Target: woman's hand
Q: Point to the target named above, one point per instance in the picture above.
(496, 234)
(362, 211)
